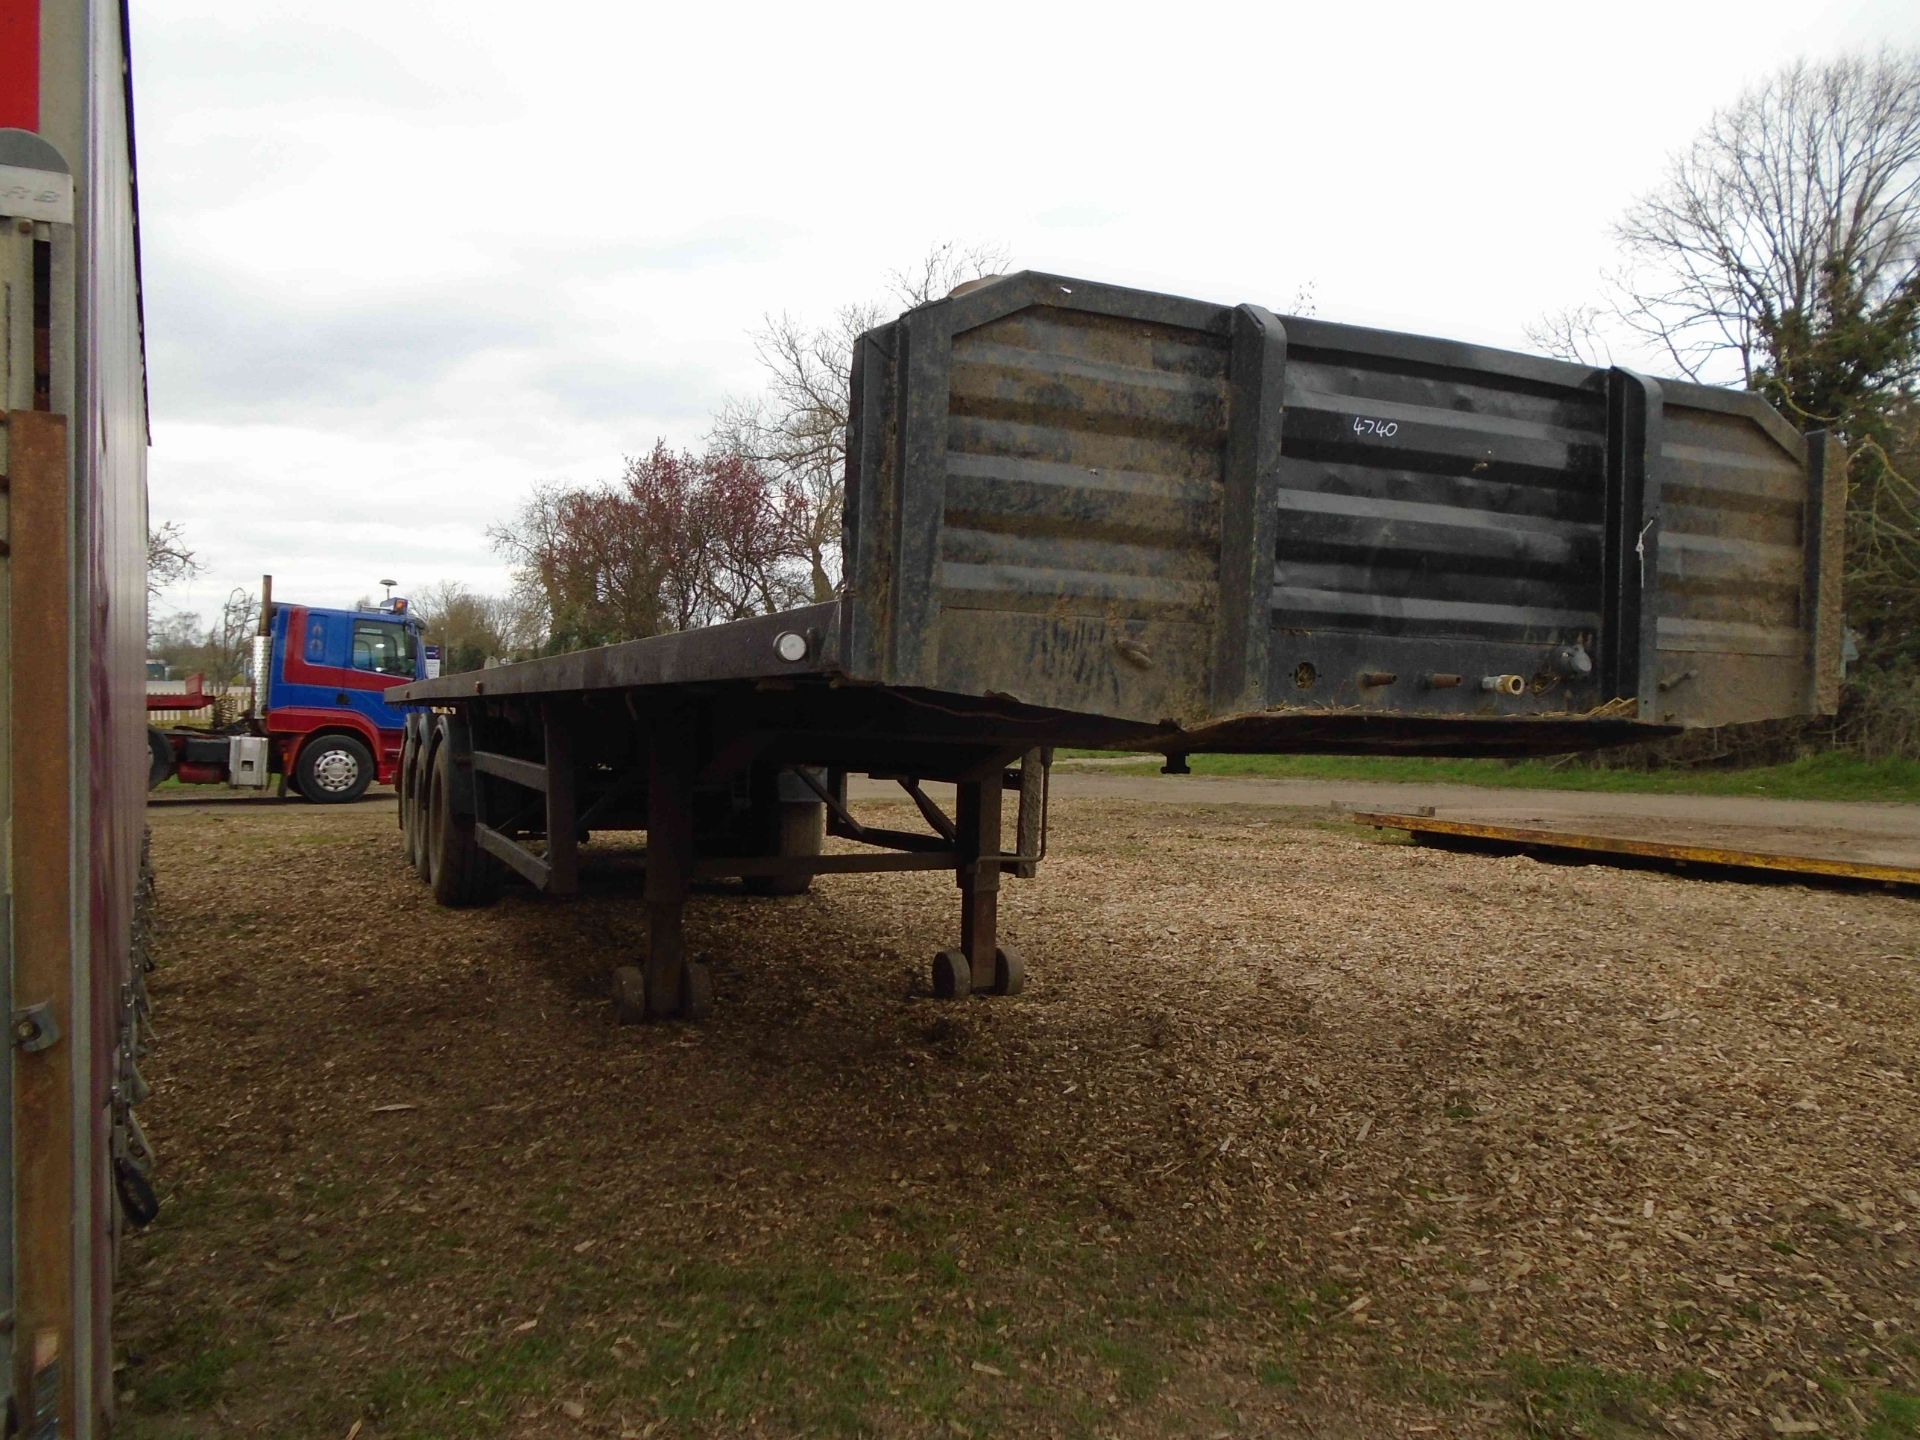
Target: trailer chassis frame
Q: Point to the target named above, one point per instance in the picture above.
(529, 778)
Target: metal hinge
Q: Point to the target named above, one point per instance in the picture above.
(35, 1028)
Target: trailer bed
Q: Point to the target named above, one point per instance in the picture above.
(1079, 515)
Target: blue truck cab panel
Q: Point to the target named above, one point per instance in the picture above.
(331, 669)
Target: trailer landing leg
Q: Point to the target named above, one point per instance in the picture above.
(981, 963)
(669, 985)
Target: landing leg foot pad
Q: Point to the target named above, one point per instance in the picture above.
(629, 995)
(1009, 972)
(952, 975)
(696, 992)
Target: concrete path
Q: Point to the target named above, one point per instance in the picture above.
(1882, 834)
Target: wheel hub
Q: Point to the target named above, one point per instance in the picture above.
(335, 770)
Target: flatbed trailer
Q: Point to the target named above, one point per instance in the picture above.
(1080, 515)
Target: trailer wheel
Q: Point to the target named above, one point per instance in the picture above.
(952, 976)
(139, 1201)
(403, 781)
(334, 769)
(461, 873)
(1009, 972)
(159, 757)
(799, 829)
(696, 991)
(422, 813)
(629, 995)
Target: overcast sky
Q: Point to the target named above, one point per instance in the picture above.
(403, 260)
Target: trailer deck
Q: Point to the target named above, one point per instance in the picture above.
(1082, 515)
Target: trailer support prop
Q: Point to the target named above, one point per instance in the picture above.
(981, 964)
(674, 986)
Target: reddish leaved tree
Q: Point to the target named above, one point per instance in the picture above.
(681, 540)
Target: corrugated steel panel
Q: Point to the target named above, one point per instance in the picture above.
(1111, 502)
(1082, 469)
(1421, 499)
(1735, 607)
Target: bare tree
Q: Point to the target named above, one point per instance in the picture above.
(1783, 248)
(1576, 333)
(178, 640)
(168, 559)
(943, 269)
(230, 639)
(797, 429)
(1782, 252)
(522, 617)
(462, 622)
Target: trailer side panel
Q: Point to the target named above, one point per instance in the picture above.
(1116, 503)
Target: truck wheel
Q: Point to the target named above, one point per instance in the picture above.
(159, 757)
(422, 813)
(334, 769)
(403, 782)
(423, 820)
(798, 831)
(460, 872)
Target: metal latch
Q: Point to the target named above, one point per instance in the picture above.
(35, 1028)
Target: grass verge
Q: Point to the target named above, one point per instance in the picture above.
(1814, 777)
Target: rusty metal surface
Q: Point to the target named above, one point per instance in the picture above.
(52, 1174)
(1110, 502)
(1741, 538)
(742, 650)
(1603, 847)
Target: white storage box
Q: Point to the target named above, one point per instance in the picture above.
(247, 760)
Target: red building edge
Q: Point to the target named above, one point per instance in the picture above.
(20, 64)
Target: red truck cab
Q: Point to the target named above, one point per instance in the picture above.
(320, 719)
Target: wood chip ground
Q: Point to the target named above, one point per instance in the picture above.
(1296, 1131)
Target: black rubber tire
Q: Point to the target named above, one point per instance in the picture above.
(1009, 972)
(159, 757)
(422, 817)
(797, 830)
(952, 976)
(696, 991)
(139, 1201)
(629, 995)
(403, 782)
(462, 873)
(334, 769)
